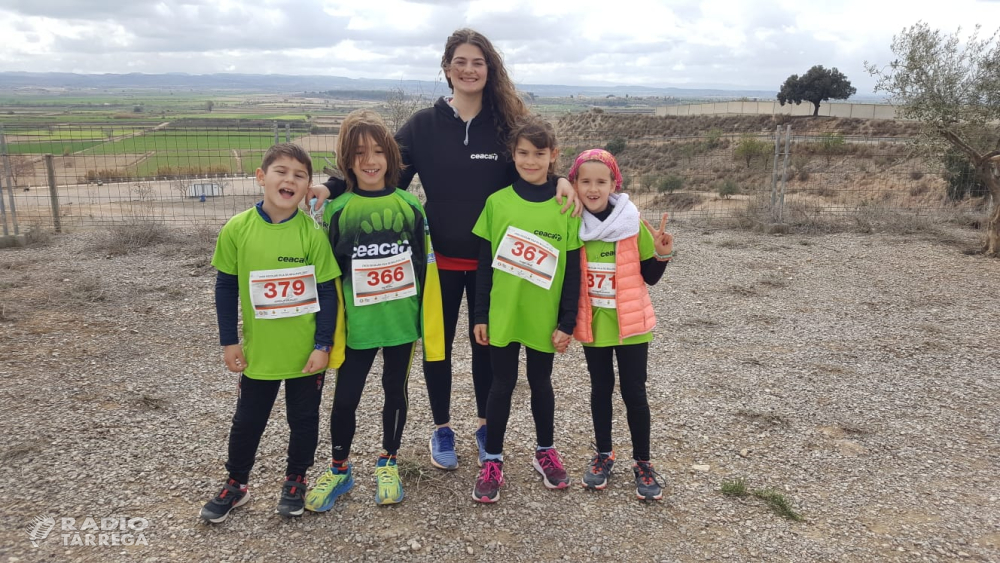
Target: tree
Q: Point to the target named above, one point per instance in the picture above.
(817, 85)
(209, 105)
(399, 107)
(750, 147)
(22, 167)
(952, 88)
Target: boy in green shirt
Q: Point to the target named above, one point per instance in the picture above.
(276, 267)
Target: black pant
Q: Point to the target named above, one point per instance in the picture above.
(253, 408)
(438, 374)
(632, 382)
(351, 376)
(543, 399)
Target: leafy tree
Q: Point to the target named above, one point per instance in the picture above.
(209, 105)
(817, 85)
(616, 146)
(952, 88)
(670, 184)
(750, 147)
(727, 189)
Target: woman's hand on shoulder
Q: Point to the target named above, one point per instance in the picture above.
(565, 190)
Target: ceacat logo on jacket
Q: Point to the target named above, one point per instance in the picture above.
(484, 156)
(377, 250)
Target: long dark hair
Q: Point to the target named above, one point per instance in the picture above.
(499, 94)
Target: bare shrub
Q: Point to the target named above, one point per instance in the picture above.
(133, 235)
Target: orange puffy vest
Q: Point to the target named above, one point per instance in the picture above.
(635, 308)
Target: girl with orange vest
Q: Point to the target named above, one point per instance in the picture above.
(623, 253)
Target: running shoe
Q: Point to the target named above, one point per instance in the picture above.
(293, 492)
(549, 464)
(231, 496)
(598, 471)
(443, 449)
(489, 481)
(648, 485)
(390, 488)
(332, 484)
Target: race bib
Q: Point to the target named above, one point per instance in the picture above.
(601, 286)
(383, 279)
(527, 256)
(285, 292)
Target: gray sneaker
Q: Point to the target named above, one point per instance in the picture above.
(647, 481)
(598, 471)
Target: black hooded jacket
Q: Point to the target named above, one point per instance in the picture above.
(460, 165)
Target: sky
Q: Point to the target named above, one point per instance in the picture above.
(689, 44)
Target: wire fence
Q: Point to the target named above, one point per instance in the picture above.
(75, 176)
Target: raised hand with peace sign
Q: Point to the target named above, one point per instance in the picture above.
(663, 241)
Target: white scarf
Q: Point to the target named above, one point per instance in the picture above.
(621, 224)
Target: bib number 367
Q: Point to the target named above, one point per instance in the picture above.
(527, 256)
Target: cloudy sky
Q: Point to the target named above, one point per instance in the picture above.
(706, 43)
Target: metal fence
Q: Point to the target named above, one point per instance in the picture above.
(66, 177)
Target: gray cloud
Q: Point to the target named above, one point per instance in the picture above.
(750, 46)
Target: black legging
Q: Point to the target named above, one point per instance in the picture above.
(351, 376)
(438, 374)
(543, 399)
(632, 383)
(253, 408)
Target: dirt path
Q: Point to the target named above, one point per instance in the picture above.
(845, 372)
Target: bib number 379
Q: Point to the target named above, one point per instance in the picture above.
(527, 256)
(285, 292)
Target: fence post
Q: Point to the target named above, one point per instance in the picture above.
(784, 170)
(774, 167)
(10, 186)
(274, 127)
(288, 132)
(53, 194)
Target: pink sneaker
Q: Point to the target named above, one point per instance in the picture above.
(489, 481)
(550, 465)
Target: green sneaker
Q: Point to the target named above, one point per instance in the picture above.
(390, 488)
(328, 487)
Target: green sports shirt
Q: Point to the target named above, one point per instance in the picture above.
(391, 291)
(275, 348)
(521, 310)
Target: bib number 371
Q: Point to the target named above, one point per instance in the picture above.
(285, 292)
(527, 256)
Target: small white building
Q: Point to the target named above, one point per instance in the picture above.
(205, 190)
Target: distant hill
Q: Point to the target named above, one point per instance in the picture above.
(15, 81)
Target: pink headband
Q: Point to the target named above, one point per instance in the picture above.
(602, 156)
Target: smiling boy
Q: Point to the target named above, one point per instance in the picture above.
(277, 268)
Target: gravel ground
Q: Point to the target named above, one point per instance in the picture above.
(856, 375)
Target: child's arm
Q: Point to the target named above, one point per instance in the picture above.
(227, 300)
(484, 284)
(326, 324)
(568, 301)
